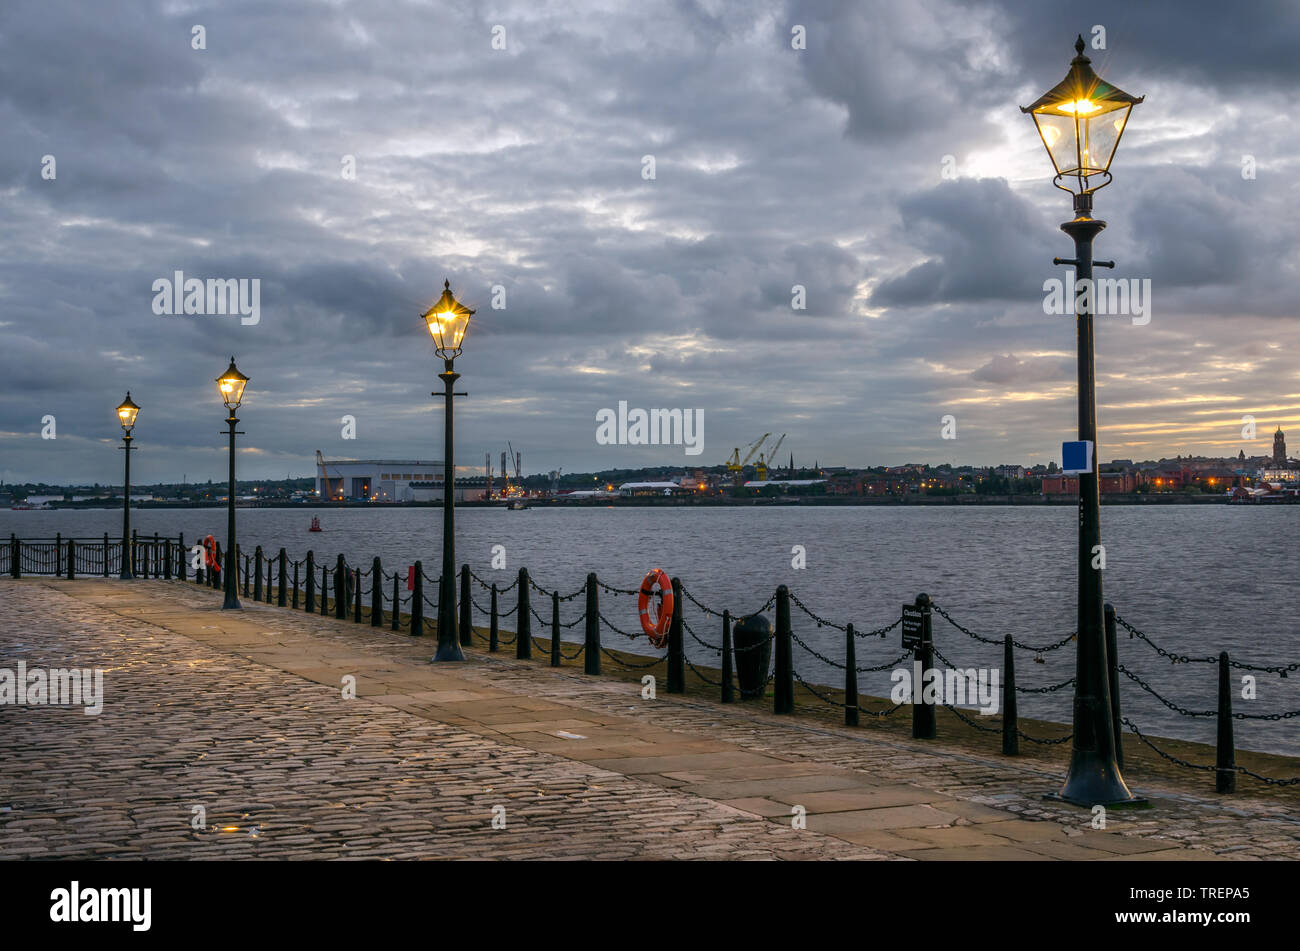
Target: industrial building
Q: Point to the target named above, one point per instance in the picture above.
(389, 480)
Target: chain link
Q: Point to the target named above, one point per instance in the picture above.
(622, 663)
(1185, 659)
(1056, 645)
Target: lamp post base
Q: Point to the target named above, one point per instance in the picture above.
(1095, 780)
(1137, 802)
(448, 651)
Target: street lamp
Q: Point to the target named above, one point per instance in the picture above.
(231, 386)
(1080, 120)
(447, 320)
(126, 414)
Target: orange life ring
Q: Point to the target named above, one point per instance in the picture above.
(657, 629)
(210, 552)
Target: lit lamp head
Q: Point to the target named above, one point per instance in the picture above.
(127, 412)
(447, 321)
(1080, 120)
(231, 386)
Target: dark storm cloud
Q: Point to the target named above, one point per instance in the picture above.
(522, 169)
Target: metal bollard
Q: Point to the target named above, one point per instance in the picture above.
(1112, 668)
(324, 590)
(356, 597)
(15, 556)
(72, 559)
(376, 594)
(923, 722)
(494, 633)
(396, 619)
(555, 629)
(1225, 772)
(180, 556)
(524, 638)
(466, 619)
(310, 565)
(591, 641)
(340, 588)
(783, 676)
(728, 696)
(257, 573)
(1010, 723)
(676, 647)
(850, 677)
(282, 599)
(417, 603)
(294, 606)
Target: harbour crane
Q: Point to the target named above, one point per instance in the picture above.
(327, 491)
(761, 468)
(736, 465)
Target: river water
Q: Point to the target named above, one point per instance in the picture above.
(1196, 579)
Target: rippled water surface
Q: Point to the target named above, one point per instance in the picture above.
(1196, 579)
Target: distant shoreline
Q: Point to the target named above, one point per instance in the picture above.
(653, 501)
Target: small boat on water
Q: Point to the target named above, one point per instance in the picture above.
(315, 524)
(516, 505)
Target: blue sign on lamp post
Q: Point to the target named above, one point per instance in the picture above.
(1076, 457)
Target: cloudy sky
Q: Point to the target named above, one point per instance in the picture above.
(885, 168)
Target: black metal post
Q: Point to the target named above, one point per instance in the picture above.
(417, 602)
(396, 620)
(257, 573)
(105, 565)
(923, 722)
(1112, 672)
(524, 637)
(783, 681)
(282, 594)
(324, 590)
(1225, 773)
(356, 596)
(340, 588)
(155, 554)
(167, 560)
(1094, 776)
(125, 574)
(180, 555)
(1010, 721)
(555, 629)
(448, 643)
(232, 596)
(310, 566)
(466, 619)
(15, 556)
(591, 640)
(294, 605)
(376, 594)
(850, 677)
(72, 559)
(676, 645)
(494, 632)
(248, 573)
(728, 695)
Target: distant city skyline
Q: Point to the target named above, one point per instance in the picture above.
(670, 205)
